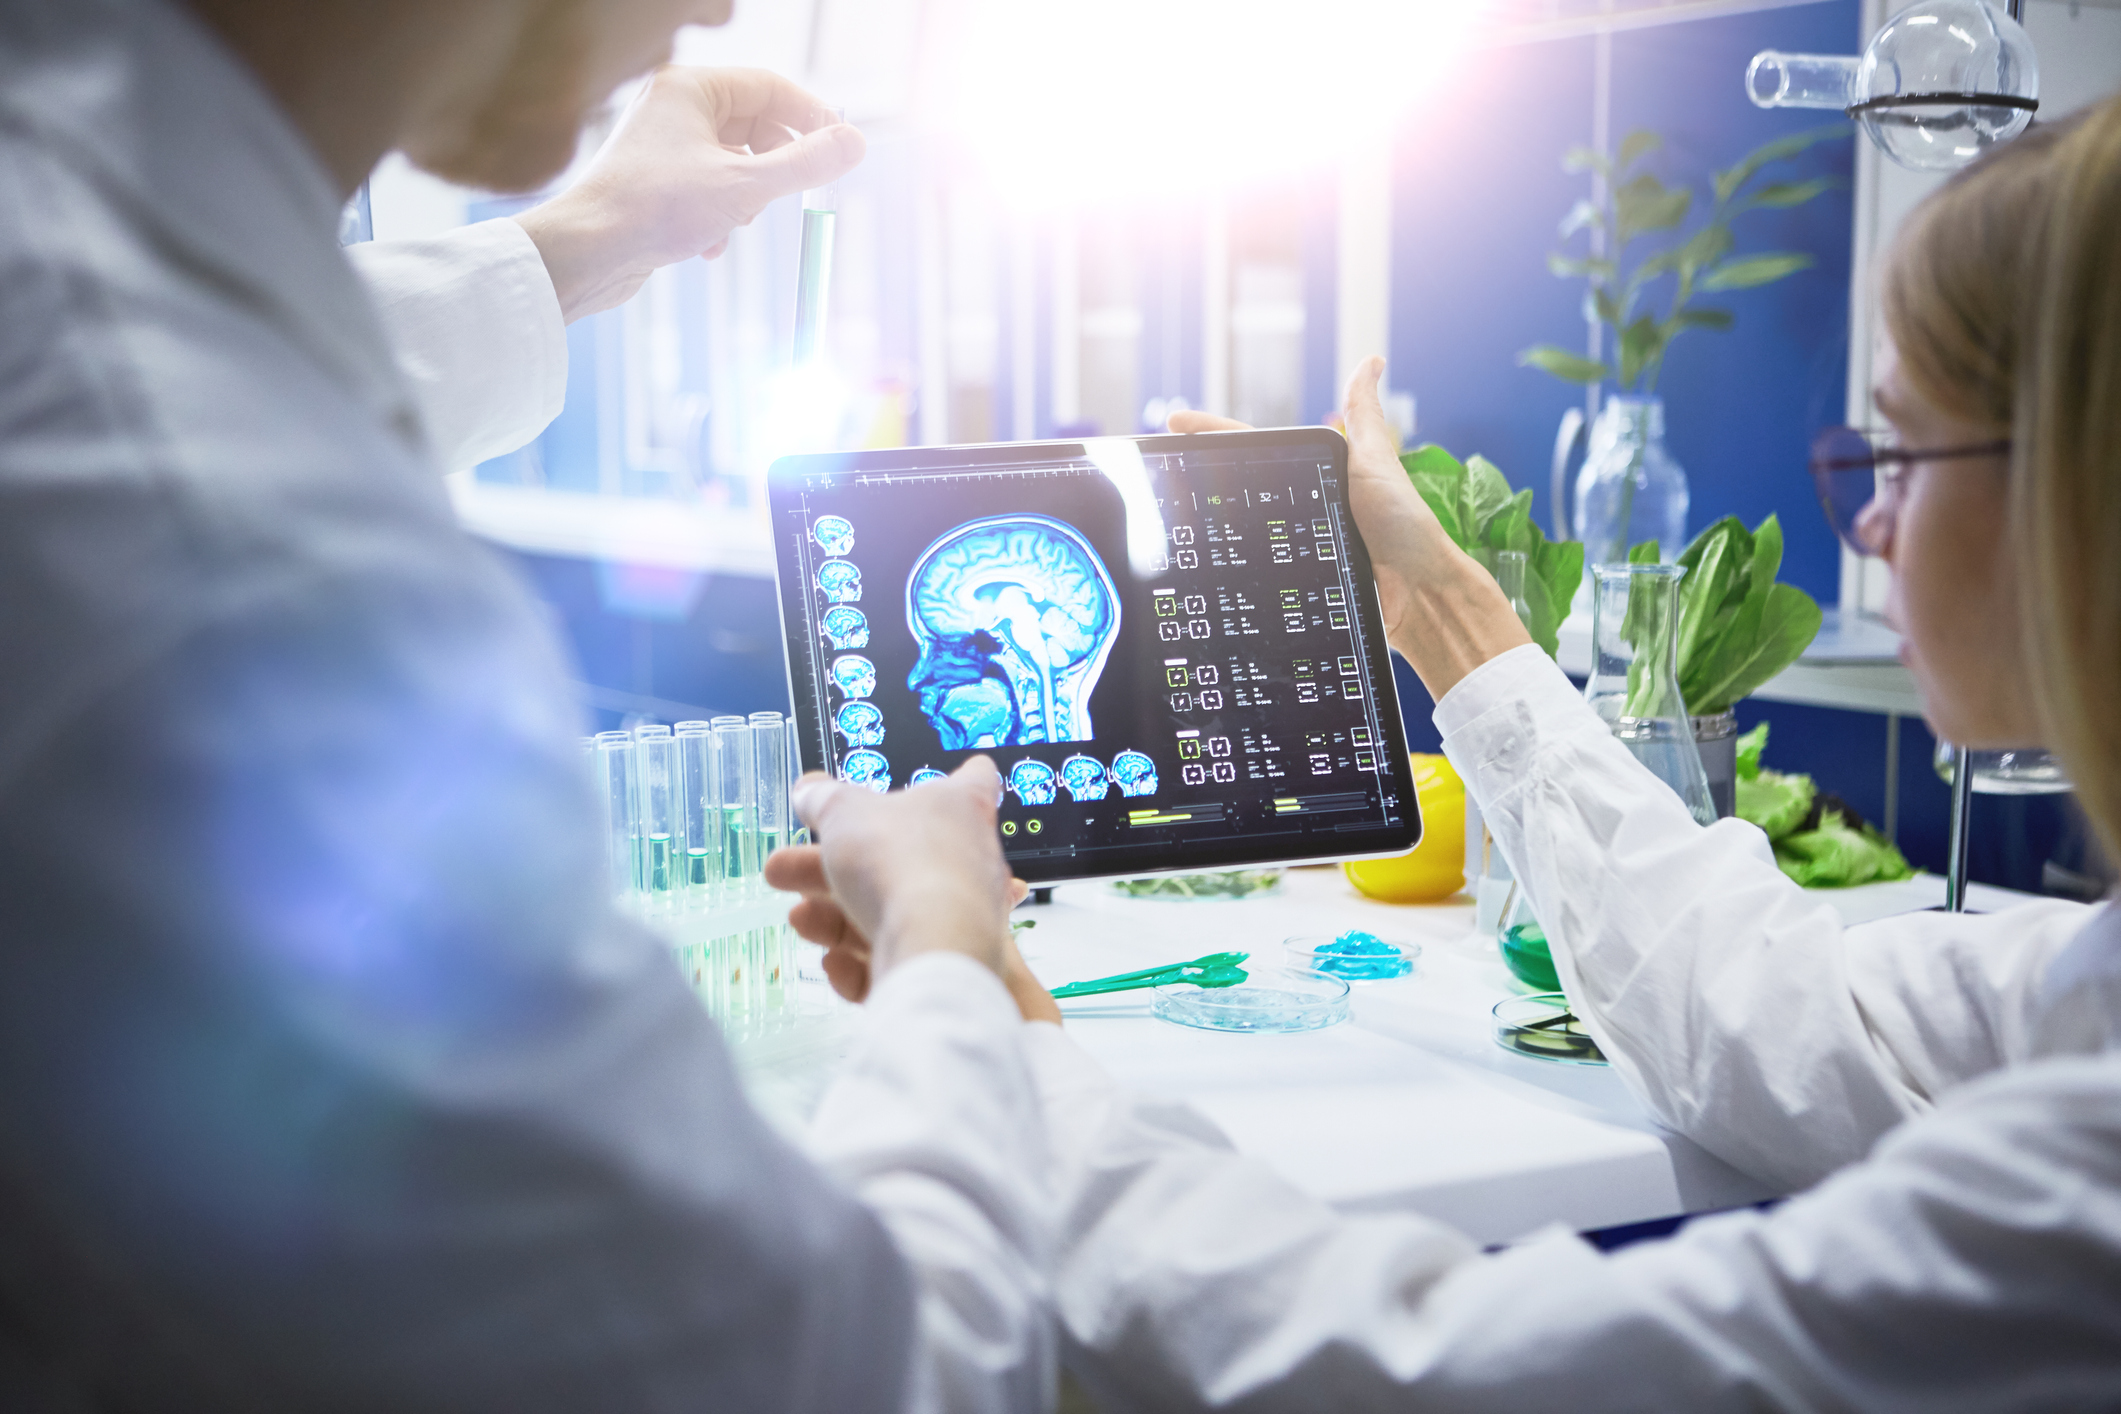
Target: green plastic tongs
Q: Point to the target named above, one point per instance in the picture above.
(1217, 969)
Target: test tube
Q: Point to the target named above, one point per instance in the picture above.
(1778, 80)
(655, 762)
(733, 780)
(813, 280)
(769, 755)
(620, 805)
(698, 809)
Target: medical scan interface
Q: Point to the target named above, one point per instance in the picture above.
(1154, 649)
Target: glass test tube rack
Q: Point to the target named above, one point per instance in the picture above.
(689, 816)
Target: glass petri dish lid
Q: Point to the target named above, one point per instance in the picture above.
(1353, 956)
(1545, 1027)
(1270, 1000)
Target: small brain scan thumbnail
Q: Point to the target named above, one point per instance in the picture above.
(1085, 778)
(834, 535)
(845, 627)
(854, 676)
(840, 582)
(924, 775)
(1135, 773)
(867, 768)
(1034, 782)
(1015, 616)
(861, 724)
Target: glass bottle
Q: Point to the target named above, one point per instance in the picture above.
(1629, 490)
(1634, 682)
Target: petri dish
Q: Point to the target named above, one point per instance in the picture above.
(1544, 1027)
(1270, 1000)
(1353, 956)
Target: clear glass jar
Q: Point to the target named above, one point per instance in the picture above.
(1634, 684)
(1629, 490)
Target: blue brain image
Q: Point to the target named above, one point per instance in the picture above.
(861, 724)
(1034, 782)
(1085, 778)
(854, 676)
(867, 768)
(834, 535)
(1135, 773)
(840, 581)
(845, 627)
(1015, 616)
(924, 775)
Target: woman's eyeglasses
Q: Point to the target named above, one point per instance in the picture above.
(1859, 481)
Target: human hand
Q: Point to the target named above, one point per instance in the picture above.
(1442, 611)
(701, 153)
(900, 874)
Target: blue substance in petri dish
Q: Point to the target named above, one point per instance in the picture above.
(1362, 957)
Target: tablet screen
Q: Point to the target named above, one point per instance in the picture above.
(1169, 646)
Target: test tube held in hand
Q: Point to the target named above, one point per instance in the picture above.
(814, 266)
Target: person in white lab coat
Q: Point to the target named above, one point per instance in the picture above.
(1945, 1091)
(332, 1078)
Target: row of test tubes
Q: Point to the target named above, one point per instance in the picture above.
(690, 815)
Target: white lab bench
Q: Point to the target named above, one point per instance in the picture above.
(1410, 1105)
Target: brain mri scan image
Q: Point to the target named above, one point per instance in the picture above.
(854, 676)
(1034, 782)
(834, 535)
(845, 627)
(1085, 778)
(840, 581)
(1135, 773)
(1015, 616)
(924, 775)
(861, 724)
(867, 768)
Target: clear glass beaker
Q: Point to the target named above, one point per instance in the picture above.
(2024, 771)
(1630, 490)
(1634, 684)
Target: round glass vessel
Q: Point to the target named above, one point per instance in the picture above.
(1267, 1001)
(1351, 956)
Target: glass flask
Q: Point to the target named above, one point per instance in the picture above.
(1634, 684)
(2025, 771)
(1629, 490)
(1941, 82)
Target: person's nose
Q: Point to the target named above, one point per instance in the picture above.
(1874, 528)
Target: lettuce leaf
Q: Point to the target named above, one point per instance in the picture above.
(1837, 856)
(1778, 804)
(1473, 501)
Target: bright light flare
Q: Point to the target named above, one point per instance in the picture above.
(806, 411)
(1099, 98)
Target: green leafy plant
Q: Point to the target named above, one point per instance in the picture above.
(1480, 512)
(1819, 840)
(1705, 261)
(1737, 626)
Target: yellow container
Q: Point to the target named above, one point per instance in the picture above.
(1436, 868)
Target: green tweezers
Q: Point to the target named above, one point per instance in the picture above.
(1217, 969)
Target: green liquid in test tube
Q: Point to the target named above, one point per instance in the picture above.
(656, 759)
(734, 779)
(769, 753)
(813, 281)
(698, 813)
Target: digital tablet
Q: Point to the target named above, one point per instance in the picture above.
(1170, 646)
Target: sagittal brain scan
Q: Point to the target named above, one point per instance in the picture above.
(1015, 616)
(1085, 778)
(861, 724)
(840, 581)
(845, 627)
(867, 768)
(1034, 782)
(834, 535)
(1168, 647)
(854, 676)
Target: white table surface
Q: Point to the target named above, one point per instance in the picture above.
(1410, 1105)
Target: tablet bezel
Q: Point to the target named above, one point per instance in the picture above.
(1152, 857)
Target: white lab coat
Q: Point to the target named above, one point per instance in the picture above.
(1948, 1084)
(332, 1079)
(1946, 1088)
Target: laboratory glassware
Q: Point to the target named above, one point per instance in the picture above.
(655, 761)
(1266, 1001)
(619, 802)
(813, 282)
(698, 821)
(1634, 684)
(1630, 489)
(1544, 1027)
(1353, 956)
(1939, 84)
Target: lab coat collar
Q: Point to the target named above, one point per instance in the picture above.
(181, 134)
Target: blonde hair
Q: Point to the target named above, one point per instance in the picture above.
(2003, 298)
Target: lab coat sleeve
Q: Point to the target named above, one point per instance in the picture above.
(1738, 1007)
(1973, 1264)
(935, 1125)
(475, 325)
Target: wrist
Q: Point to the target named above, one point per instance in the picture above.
(941, 920)
(589, 255)
(1456, 620)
